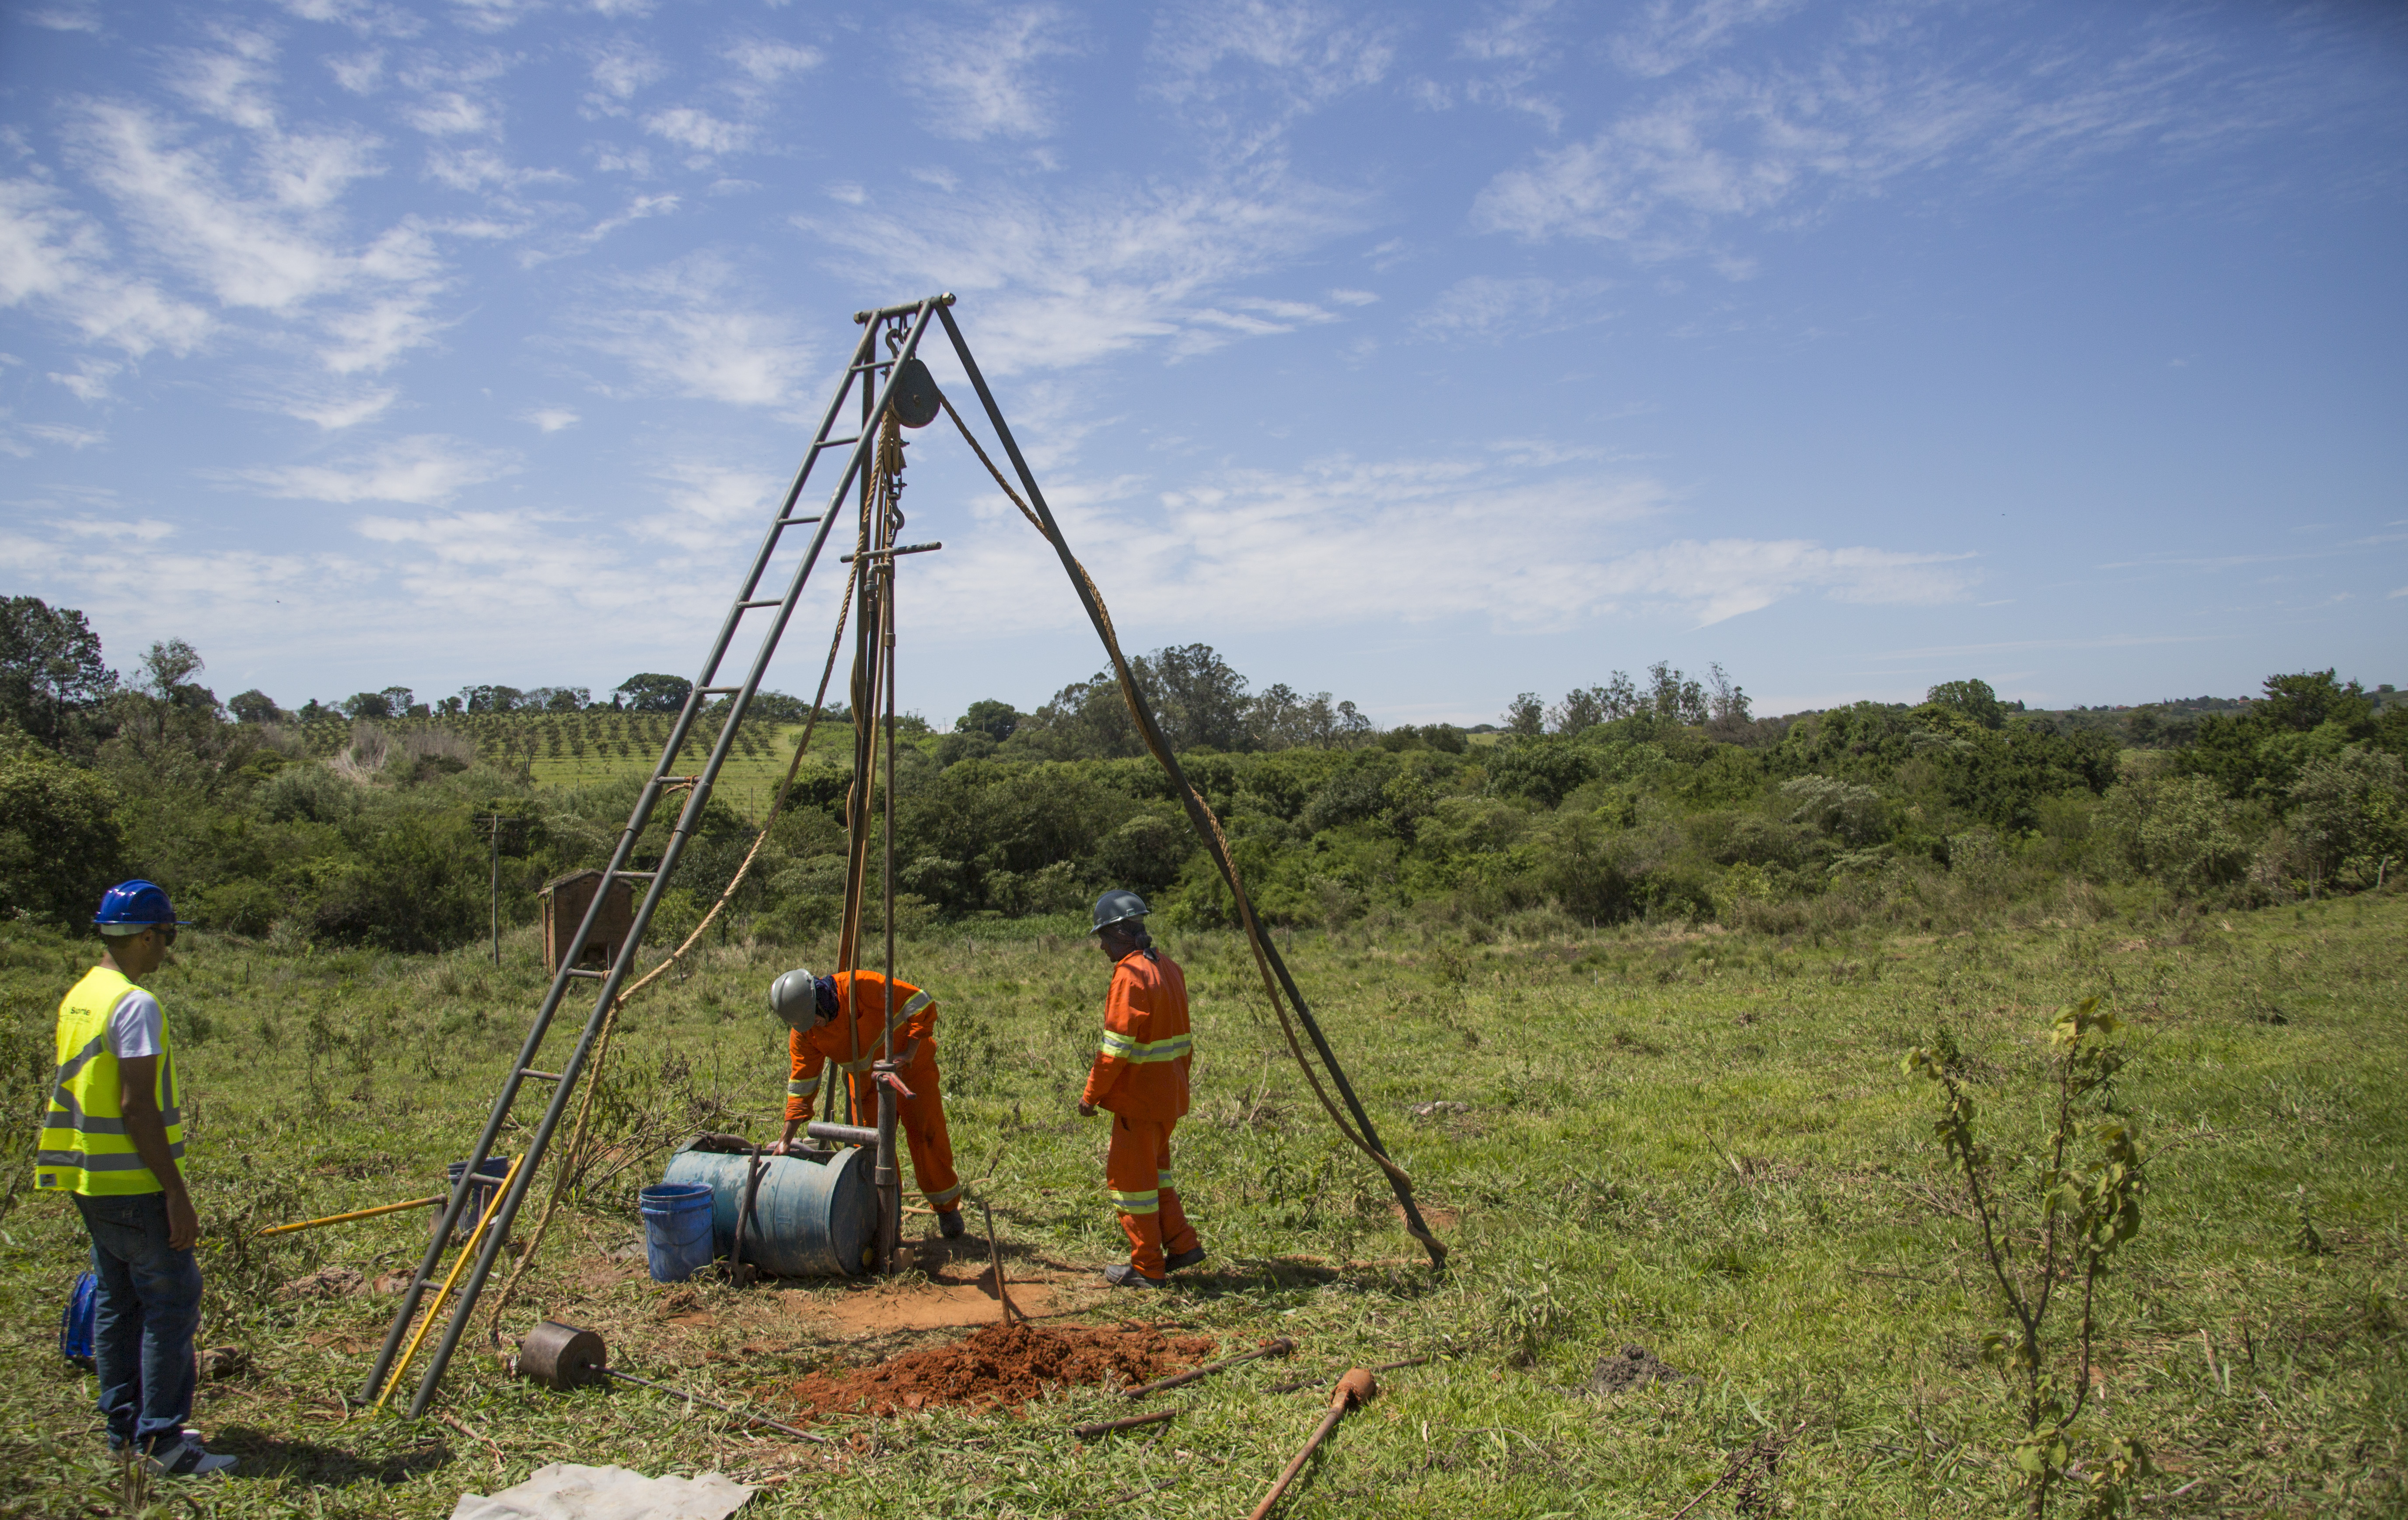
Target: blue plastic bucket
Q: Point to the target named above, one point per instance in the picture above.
(813, 1217)
(676, 1229)
(480, 1193)
(77, 1321)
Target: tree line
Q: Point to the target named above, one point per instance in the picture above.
(1661, 798)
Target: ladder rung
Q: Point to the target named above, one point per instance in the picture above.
(580, 971)
(548, 1076)
(719, 691)
(789, 522)
(635, 872)
(676, 780)
(769, 602)
(882, 554)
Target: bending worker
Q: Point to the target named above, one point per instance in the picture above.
(111, 1139)
(841, 1018)
(1140, 1076)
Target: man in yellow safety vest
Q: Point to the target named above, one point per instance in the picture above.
(111, 1140)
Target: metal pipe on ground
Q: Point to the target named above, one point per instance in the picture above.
(1280, 1347)
(355, 1214)
(1357, 1387)
(564, 1356)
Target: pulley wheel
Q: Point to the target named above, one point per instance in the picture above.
(562, 1356)
(915, 396)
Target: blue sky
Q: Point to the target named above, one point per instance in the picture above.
(1425, 355)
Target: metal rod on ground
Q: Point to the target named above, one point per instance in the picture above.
(1280, 1347)
(995, 1254)
(564, 1356)
(1356, 1388)
(1105, 1428)
(723, 1409)
(355, 1214)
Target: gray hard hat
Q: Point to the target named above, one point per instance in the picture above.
(1116, 906)
(794, 998)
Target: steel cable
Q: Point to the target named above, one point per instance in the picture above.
(1225, 856)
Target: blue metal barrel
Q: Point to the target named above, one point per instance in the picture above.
(810, 1219)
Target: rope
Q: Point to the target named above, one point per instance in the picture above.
(1228, 859)
(611, 1020)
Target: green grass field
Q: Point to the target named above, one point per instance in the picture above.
(1699, 1143)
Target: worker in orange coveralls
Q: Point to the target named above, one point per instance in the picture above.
(1140, 1074)
(829, 1018)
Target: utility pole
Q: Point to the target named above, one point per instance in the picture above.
(495, 906)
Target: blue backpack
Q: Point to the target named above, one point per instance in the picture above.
(75, 1321)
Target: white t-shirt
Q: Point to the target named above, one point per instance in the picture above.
(136, 1025)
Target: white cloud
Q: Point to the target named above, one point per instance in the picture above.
(1485, 307)
(552, 419)
(474, 168)
(1250, 67)
(623, 69)
(1350, 541)
(425, 470)
(90, 381)
(447, 113)
(704, 500)
(372, 336)
(685, 329)
(1673, 34)
(229, 85)
(984, 82)
(1778, 144)
(332, 411)
(698, 129)
(360, 73)
(65, 18)
(1069, 277)
(55, 257)
(60, 432)
(767, 63)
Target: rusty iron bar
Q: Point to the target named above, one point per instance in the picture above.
(888, 554)
(723, 1409)
(1105, 1428)
(1357, 1387)
(1280, 1347)
(844, 1134)
(995, 1254)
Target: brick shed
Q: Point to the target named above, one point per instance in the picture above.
(565, 901)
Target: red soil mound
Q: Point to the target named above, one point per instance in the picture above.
(1000, 1365)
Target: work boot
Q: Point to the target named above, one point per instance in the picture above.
(185, 1458)
(1186, 1258)
(1121, 1274)
(950, 1227)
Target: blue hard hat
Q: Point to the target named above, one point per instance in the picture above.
(135, 904)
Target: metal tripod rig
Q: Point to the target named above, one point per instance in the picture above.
(887, 384)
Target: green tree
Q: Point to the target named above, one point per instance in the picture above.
(652, 692)
(1973, 700)
(53, 682)
(2311, 699)
(996, 719)
(61, 841)
(1526, 715)
(2351, 810)
(255, 707)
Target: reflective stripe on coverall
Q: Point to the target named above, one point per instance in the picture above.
(861, 1007)
(1140, 1076)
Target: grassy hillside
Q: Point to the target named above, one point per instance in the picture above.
(1693, 1141)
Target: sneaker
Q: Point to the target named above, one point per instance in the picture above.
(950, 1227)
(1186, 1258)
(186, 1458)
(1121, 1274)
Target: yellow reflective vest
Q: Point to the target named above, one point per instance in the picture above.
(84, 1147)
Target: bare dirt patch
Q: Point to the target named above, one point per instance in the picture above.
(1001, 1366)
(1629, 1369)
(937, 1306)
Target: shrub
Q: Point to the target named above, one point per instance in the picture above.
(2349, 811)
(2180, 830)
(61, 843)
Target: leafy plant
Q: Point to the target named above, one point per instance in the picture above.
(2086, 1213)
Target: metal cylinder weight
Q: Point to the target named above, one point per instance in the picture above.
(562, 1356)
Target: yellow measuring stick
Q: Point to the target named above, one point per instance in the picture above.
(355, 1214)
(436, 1309)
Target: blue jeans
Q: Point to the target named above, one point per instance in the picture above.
(148, 1309)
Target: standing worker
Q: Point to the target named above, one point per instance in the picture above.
(111, 1139)
(1140, 1074)
(842, 1019)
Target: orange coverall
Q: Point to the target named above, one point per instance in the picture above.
(861, 1007)
(1140, 1076)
